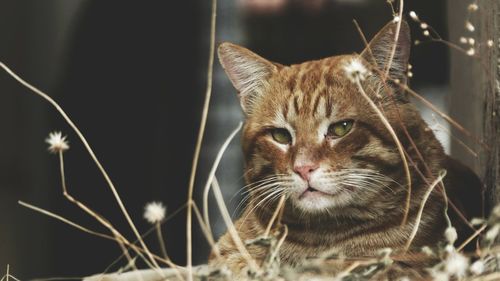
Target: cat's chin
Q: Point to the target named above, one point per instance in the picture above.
(320, 202)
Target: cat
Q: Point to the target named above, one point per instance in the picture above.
(309, 135)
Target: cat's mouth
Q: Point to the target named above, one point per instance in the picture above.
(311, 191)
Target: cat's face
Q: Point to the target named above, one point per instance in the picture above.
(309, 133)
(316, 134)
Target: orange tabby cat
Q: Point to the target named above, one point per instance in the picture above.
(311, 136)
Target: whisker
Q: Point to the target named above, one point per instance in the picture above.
(269, 199)
(362, 178)
(263, 200)
(269, 187)
(258, 183)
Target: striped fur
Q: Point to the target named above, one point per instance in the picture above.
(361, 173)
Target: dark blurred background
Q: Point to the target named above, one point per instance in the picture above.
(132, 76)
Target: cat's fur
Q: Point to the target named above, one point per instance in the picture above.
(364, 215)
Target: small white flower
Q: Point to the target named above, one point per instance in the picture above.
(477, 221)
(396, 19)
(57, 143)
(424, 25)
(427, 251)
(414, 16)
(471, 41)
(471, 52)
(496, 211)
(477, 268)
(463, 40)
(449, 249)
(490, 43)
(456, 264)
(469, 26)
(473, 7)
(492, 234)
(355, 70)
(451, 235)
(426, 33)
(154, 212)
(439, 275)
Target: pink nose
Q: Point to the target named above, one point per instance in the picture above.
(305, 170)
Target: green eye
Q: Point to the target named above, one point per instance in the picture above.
(281, 135)
(340, 129)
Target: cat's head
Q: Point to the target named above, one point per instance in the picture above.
(310, 134)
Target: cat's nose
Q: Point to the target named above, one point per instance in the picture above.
(305, 170)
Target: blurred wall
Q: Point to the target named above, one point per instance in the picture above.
(34, 35)
(474, 82)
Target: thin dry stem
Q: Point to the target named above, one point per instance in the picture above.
(82, 206)
(396, 38)
(89, 150)
(131, 261)
(117, 238)
(398, 144)
(58, 217)
(472, 237)
(421, 209)
(206, 231)
(443, 115)
(138, 250)
(211, 175)
(230, 226)
(280, 243)
(452, 136)
(350, 268)
(201, 132)
(159, 236)
(120, 239)
(380, 113)
(173, 214)
(278, 210)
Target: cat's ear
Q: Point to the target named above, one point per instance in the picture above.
(248, 72)
(379, 50)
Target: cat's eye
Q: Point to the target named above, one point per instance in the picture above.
(340, 129)
(281, 135)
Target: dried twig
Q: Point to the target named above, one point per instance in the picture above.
(472, 237)
(66, 221)
(398, 144)
(201, 132)
(396, 39)
(277, 211)
(230, 227)
(416, 224)
(211, 174)
(89, 150)
(206, 231)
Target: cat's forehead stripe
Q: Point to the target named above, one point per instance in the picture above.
(284, 109)
(296, 103)
(316, 103)
(308, 89)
